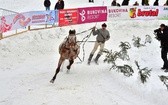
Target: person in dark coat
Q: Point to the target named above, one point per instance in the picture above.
(162, 36)
(59, 5)
(47, 4)
(136, 4)
(91, 1)
(145, 2)
(125, 2)
(156, 3)
(114, 3)
(166, 4)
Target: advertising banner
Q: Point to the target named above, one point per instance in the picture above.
(68, 17)
(43, 17)
(21, 20)
(163, 15)
(92, 14)
(144, 12)
(114, 13)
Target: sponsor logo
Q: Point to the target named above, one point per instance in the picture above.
(151, 13)
(83, 18)
(114, 13)
(4, 26)
(132, 12)
(143, 13)
(117, 10)
(22, 20)
(50, 18)
(95, 12)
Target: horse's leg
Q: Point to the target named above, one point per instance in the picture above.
(57, 70)
(71, 61)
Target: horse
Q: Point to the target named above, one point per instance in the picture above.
(68, 49)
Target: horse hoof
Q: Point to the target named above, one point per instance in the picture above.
(52, 81)
(68, 67)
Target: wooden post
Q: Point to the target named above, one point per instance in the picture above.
(45, 25)
(29, 28)
(16, 31)
(1, 37)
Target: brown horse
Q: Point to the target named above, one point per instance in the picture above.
(69, 49)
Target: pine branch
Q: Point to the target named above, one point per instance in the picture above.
(164, 79)
(136, 63)
(143, 73)
(126, 70)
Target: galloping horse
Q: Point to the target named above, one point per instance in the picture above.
(69, 49)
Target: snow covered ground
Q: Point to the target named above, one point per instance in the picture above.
(28, 62)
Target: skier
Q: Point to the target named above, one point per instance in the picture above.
(47, 4)
(59, 5)
(102, 36)
(156, 3)
(162, 36)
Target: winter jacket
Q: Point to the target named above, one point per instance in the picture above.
(145, 2)
(59, 5)
(125, 2)
(114, 3)
(47, 3)
(156, 3)
(102, 35)
(162, 36)
(136, 4)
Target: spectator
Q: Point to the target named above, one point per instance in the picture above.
(47, 4)
(91, 1)
(166, 4)
(59, 5)
(156, 3)
(136, 4)
(125, 2)
(118, 5)
(162, 36)
(145, 2)
(114, 3)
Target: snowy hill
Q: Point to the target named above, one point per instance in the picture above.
(28, 62)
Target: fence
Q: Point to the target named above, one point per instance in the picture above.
(13, 23)
(26, 21)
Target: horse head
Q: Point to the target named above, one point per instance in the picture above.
(71, 38)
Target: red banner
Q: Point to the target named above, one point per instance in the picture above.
(68, 17)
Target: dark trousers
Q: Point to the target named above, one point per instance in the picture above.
(164, 52)
(91, 0)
